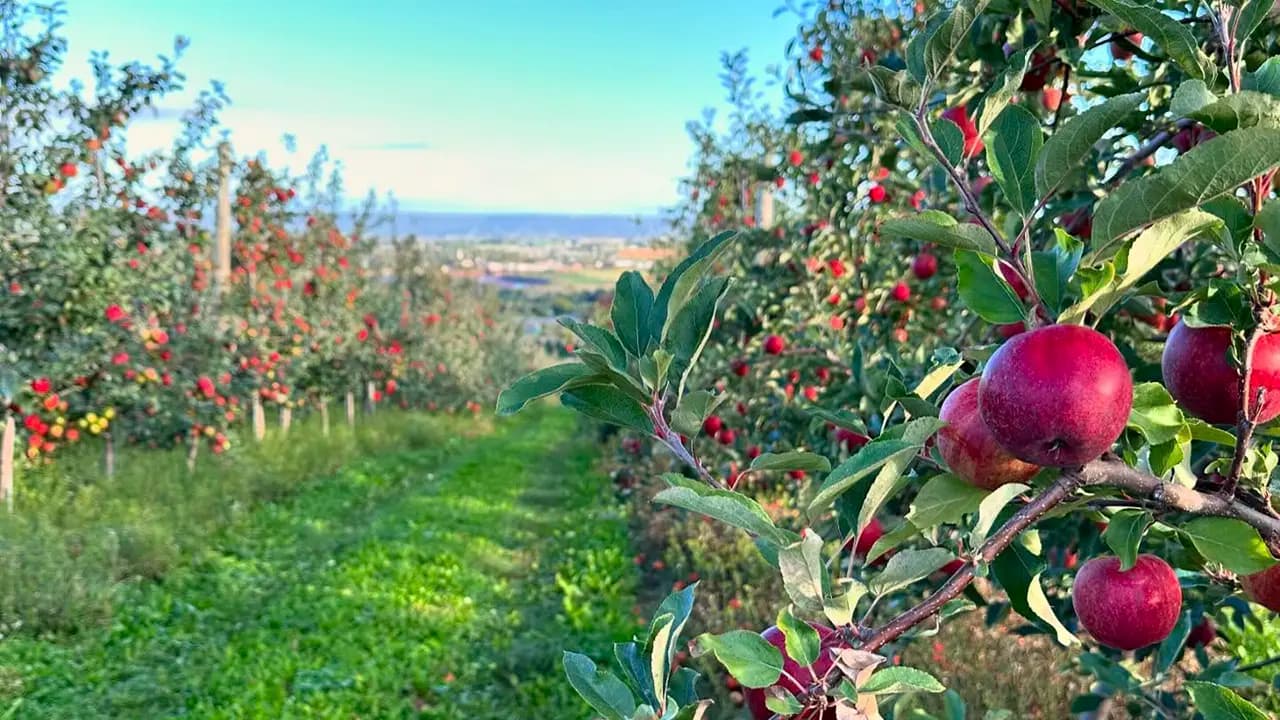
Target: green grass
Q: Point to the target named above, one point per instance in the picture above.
(439, 580)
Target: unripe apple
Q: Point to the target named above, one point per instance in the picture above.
(1131, 609)
(968, 447)
(924, 266)
(1058, 396)
(774, 345)
(796, 678)
(1200, 375)
(1264, 588)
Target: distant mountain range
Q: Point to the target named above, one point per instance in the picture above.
(525, 226)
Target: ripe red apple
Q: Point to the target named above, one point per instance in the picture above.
(712, 424)
(816, 54)
(867, 539)
(796, 158)
(924, 266)
(1011, 276)
(726, 436)
(968, 447)
(1079, 222)
(850, 439)
(878, 194)
(774, 345)
(1264, 588)
(1200, 375)
(1203, 634)
(1038, 71)
(972, 141)
(938, 303)
(740, 368)
(796, 678)
(901, 292)
(1058, 395)
(1127, 610)
(1051, 98)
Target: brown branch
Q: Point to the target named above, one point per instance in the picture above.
(1248, 419)
(1147, 149)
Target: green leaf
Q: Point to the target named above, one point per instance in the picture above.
(802, 641)
(635, 671)
(1213, 168)
(1190, 96)
(748, 657)
(1067, 148)
(609, 404)
(1232, 543)
(733, 508)
(609, 376)
(890, 479)
(907, 567)
(944, 499)
(990, 509)
(1172, 645)
(1018, 572)
(781, 701)
(899, 679)
(950, 140)
(694, 408)
(804, 576)
(686, 334)
(1265, 79)
(684, 281)
(1155, 414)
(839, 608)
(939, 228)
(1268, 219)
(983, 292)
(1052, 272)
(632, 312)
(868, 459)
(894, 87)
(664, 633)
(1170, 35)
(1204, 432)
(1218, 703)
(600, 340)
(541, 383)
(1124, 534)
(1012, 150)
(950, 33)
(1004, 89)
(1144, 253)
(1241, 110)
(793, 460)
(602, 690)
(1249, 17)
(683, 688)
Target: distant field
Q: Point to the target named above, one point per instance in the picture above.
(573, 280)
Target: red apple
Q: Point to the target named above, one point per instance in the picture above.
(1059, 395)
(1120, 51)
(1131, 609)
(901, 292)
(1264, 588)
(1200, 375)
(774, 345)
(972, 141)
(878, 194)
(1203, 634)
(968, 447)
(924, 266)
(712, 424)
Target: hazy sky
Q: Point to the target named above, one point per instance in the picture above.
(486, 105)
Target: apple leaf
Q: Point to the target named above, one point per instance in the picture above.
(792, 460)
(541, 383)
(983, 291)
(602, 690)
(944, 499)
(609, 404)
(683, 282)
(989, 509)
(802, 641)
(1172, 645)
(1170, 35)
(1218, 703)
(686, 334)
(1241, 110)
(1067, 148)
(1004, 89)
(748, 657)
(1018, 572)
(900, 679)
(729, 507)
(1232, 543)
(632, 312)
(939, 228)
(804, 576)
(1124, 535)
(890, 478)
(1012, 149)
(781, 701)
(908, 567)
(693, 409)
(868, 459)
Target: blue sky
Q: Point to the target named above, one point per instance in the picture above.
(485, 105)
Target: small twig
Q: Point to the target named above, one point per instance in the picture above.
(1259, 665)
(1147, 149)
(1248, 420)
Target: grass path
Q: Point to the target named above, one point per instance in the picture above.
(437, 582)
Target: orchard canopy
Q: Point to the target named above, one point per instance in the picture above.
(998, 279)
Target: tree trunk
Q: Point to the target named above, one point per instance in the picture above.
(6, 460)
(109, 456)
(193, 451)
(259, 418)
(324, 418)
(351, 409)
(286, 419)
(222, 229)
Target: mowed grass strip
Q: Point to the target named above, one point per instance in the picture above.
(432, 582)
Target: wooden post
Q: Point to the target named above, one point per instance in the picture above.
(369, 404)
(286, 419)
(222, 230)
(6, 460)
(351, 409)
(259, 418)
(109, 456)
(324, 417)
(193, 451)
(764, 209)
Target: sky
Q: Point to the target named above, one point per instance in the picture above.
(483, 105)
